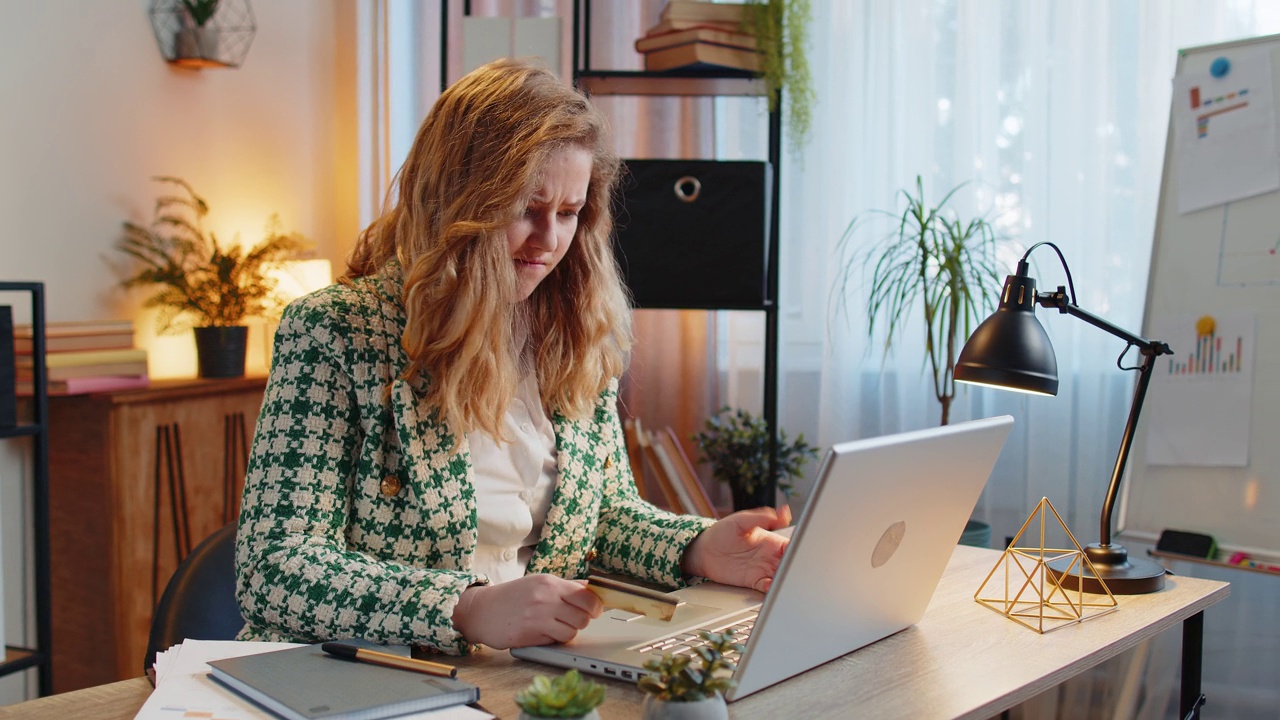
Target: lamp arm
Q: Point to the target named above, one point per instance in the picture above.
(1150, 350)
(1058, 300)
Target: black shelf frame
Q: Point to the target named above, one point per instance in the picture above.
(18, 658)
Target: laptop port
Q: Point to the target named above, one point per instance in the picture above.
(610, 671)
(626, 674)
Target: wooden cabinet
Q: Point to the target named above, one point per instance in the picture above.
(137, 478)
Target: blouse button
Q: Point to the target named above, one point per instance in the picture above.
(526, 428)
(390, 485)
(508, 554)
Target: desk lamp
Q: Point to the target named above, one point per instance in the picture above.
(1010, 350)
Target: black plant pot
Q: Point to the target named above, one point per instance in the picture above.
(220, 351)
(747, 499)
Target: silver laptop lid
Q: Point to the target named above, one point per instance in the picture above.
(870, 546)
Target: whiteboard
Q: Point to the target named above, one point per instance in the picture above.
(1198, 466)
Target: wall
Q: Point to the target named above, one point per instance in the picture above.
(89, 112)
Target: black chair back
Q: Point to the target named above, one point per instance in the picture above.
(200, 600)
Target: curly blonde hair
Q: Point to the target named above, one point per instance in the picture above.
(476, 161)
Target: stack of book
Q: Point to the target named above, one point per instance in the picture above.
(700, 35)
(82, 357)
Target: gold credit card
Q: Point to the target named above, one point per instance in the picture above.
(633, 598)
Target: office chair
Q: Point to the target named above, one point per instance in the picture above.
(200, 599)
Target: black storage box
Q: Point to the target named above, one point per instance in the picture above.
(694, 233)
(8, 402)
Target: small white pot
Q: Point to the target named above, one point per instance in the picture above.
(713, 708)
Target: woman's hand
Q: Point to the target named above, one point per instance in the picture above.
(532, 610)
(740, 549)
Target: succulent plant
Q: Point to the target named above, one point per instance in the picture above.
(568, 696)
(689, 678)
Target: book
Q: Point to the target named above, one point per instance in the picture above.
(700, 10)
(673, 25)
(88, 384)
(702, 55)
(65, 343)
(87, 357)
(306, 683)
(696, 34)
(77, 335)
(135, 368)
(78, 327)
(681, 471)
(8, 401)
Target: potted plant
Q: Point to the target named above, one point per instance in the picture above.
(737, 444)
(938, 262)
(568, 696)
(781, 29)
(690, 687)
(197, 282)
(196, 38)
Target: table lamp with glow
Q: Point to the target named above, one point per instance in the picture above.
(1010, 350)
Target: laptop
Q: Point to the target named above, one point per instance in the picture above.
(864, 559)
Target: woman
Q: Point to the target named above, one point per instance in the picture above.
(439, 455)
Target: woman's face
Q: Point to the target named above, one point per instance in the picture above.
(540, 237)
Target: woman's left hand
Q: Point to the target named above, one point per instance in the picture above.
(740, 549)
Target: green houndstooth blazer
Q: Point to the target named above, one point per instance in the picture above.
(358, 522)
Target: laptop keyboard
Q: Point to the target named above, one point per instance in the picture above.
(686, 643)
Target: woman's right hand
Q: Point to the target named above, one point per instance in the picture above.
(532, 610)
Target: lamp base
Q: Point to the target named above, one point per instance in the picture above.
(1123, 575)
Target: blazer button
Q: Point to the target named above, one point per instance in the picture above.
(591, 555)
(608, 462)
(390, 485)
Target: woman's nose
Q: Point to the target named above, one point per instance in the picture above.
(544, 235)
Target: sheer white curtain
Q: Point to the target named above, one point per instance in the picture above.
(1054, 113)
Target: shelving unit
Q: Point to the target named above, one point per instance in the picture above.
(18, 658)
(686, 83)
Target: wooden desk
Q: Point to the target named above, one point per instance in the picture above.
(961, 661)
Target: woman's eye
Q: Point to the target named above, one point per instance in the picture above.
(569, 213)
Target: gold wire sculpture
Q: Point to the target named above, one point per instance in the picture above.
(1037, 595)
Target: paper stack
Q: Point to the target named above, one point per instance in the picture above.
(184, 689)
(700, 35)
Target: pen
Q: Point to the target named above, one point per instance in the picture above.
(351, 652)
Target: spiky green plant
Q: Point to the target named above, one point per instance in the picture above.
(568, 696)
(201, 11)
(934, 259)
(194, 277)
(736, 444)
(684, 678)
(781, 28)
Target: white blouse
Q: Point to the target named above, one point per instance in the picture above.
(514, 485)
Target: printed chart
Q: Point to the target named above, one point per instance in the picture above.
(1198, 407)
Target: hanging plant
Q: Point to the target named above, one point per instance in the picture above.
(781, 28)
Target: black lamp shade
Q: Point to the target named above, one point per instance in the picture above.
(1010, 349)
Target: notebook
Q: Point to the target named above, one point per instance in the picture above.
(306, 683)
(864, 560)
